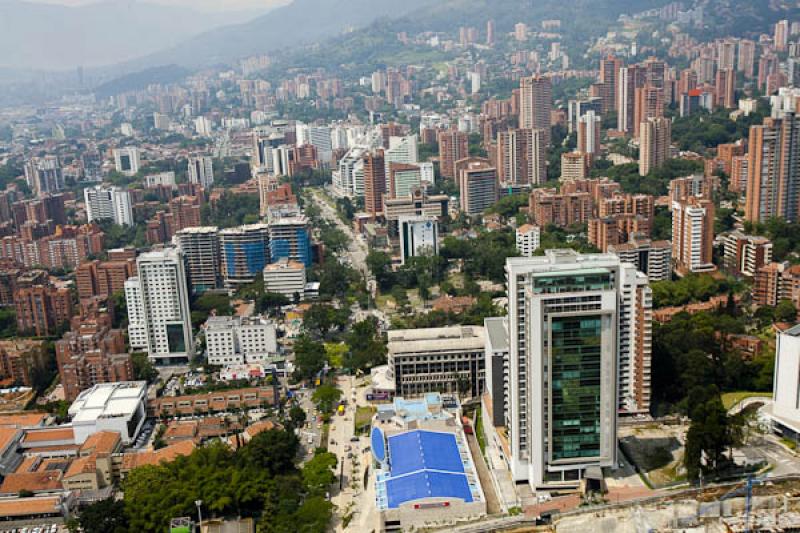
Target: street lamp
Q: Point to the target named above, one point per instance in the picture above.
(199, 503)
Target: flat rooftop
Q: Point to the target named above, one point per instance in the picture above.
(108, 400)
(427, 339)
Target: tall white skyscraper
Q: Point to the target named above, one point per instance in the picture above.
(108, 203)
(419, 236)
(319, 136)
(201, 170)
(126, 160)
(158, 307)
(403, 150)
(578, 344)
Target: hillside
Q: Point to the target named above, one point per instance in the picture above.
(38, 36)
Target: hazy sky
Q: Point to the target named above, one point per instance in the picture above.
(206, 5)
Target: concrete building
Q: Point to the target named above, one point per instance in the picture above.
(103, 278)
(44, 175)
(521, 157)
(403, 150)
(201, 249)
(201, 171)
(745, 254)
(773, 184)
(402, 179)
(453, 146)
(586, 319)
(528, 239)
(159, 318)
(419, 236)
(416, 203)
(42, 309)
(120, 407)
(234, 340)
(447, 359)
(547, 206)
(654, 146)
(425, 475)
(290, 238)
(785, 410)
(652, 258)
(285, 277)
(108, 203)
(693, 235)
(477, 184)
(374, 182)
(536, 103)
(126, 160)
(497, 397)
(574, 166)
(589, 134)
(245, 253)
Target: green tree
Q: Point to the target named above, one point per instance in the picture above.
(143, 368)
(325, 397)
(318, 473)
(309, 357)
(105, 516)
(297, 416)
(367, 346)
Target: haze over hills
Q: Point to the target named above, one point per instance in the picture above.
(57, 37)
(301, 22)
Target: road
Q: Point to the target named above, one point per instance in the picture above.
(356, 249)
(312, 429)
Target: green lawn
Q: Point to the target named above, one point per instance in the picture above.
(479, 431)
(729, 399)
(363, 419)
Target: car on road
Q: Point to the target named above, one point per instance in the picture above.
(354, 439)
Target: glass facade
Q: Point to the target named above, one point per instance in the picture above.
(576, 353)
(579, 281)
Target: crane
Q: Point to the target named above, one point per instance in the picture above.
(746, 489)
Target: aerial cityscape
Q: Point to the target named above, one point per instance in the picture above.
(300, 266)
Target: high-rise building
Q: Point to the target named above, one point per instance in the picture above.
(726, 54)
(773, 185)
(490, 33)
(477, 184)
(726, 88)
(536, 103)
(609, 76)
(108, 203)
(654, 146)
(403, 150)
(374, 182)
(649, 103)
(528, 239)
(235, 340)
(42, 309)
(201, 171)
(290, 238)
(574, 166)
(200, 247)
(652, 258)
(578, 335)
(693, 235)
(589, 134)
(285, 277)
(403, 179)
(419, 236)
(782, 35)
(96, 278)
(159, 318)
(521, 157)
(578, 108)
(453, 146)
(245, 252)
(126, 160)
(747, 58)
(745, 254)
(44, 175)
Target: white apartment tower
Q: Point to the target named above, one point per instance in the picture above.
(126, 160)
(579, 338)
(528, 239)
(201, 171)
(403, 150)
(108, 203)
(158, 307)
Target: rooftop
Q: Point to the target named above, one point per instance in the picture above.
(424, 339)
(49, 435)
(134, 460)
(102, 442)
(30, 506)
(48, 480)
(108, 400)
(22, 420)
(496, 331)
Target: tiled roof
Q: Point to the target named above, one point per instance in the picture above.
(82, 465)
(44, 435)
(33, 481)
(102, 442)
(29, 506)
(22, 419)
(7, 435)
(170, 453)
